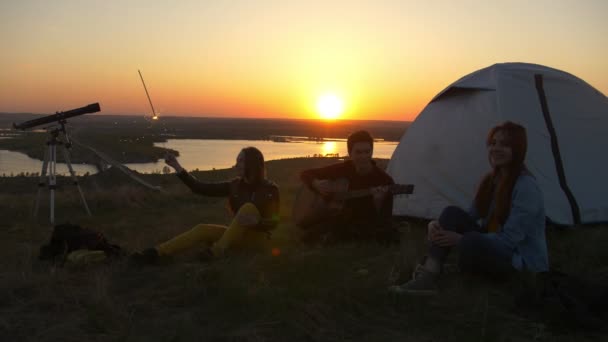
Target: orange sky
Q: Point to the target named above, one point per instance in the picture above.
(271, 58)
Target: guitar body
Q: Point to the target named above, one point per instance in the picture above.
(310, 207)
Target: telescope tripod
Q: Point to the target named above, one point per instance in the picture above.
(50, 165)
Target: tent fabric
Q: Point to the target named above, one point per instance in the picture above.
(443, 151)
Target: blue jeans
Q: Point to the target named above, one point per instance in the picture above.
(479, 253)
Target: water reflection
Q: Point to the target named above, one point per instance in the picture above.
(14, 163)
(329, 148)
(205, 154)
(220, 154)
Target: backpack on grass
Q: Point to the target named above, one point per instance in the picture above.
(67, 238)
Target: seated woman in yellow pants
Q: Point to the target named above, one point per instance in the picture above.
(253, 199)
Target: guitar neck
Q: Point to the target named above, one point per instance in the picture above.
(356, 194)
(393, 189)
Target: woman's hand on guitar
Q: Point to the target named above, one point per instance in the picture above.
(322, 186)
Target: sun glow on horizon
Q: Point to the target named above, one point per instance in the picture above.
(330, 106)
(360, 60)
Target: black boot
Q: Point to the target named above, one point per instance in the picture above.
(148, 256)
(206, 255)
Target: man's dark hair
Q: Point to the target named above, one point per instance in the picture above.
(359, 136)
(254, 164)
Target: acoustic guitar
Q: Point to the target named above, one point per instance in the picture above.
(311, 207)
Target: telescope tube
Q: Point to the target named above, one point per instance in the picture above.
(92, 108)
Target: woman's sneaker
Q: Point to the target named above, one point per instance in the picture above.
(423, 282)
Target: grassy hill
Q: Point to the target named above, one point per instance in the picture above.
(304, 294)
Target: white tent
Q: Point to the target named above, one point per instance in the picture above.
(443, 151)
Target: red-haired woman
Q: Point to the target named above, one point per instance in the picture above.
(504, 230)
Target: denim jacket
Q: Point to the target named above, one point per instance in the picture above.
(524, 229)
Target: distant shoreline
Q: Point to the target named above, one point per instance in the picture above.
(130, 139)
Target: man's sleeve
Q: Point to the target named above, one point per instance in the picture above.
(387, 206)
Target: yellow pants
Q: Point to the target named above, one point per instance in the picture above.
(220, 238)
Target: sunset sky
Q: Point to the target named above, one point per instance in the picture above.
(267, 58)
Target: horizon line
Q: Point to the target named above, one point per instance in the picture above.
(145, 116)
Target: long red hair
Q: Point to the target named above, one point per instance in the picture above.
(501, 188)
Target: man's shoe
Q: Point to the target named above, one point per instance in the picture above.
(148, 256)
(206, 255)
(423, 282)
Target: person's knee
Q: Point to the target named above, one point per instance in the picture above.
(248, 209)
(451, 209)
(451, 217)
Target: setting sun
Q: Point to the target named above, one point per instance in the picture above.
(330, 106)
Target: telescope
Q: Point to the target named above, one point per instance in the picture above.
(58, 136)
(58, 117)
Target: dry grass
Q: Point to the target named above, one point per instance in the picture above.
(305, 294)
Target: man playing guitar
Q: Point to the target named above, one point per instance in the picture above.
(361, 218)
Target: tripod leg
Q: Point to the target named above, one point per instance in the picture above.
(66, 156)
(53, 179)
(41, 180)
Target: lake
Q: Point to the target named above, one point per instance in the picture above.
(202, 154)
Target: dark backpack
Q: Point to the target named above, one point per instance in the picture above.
(67, 238)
